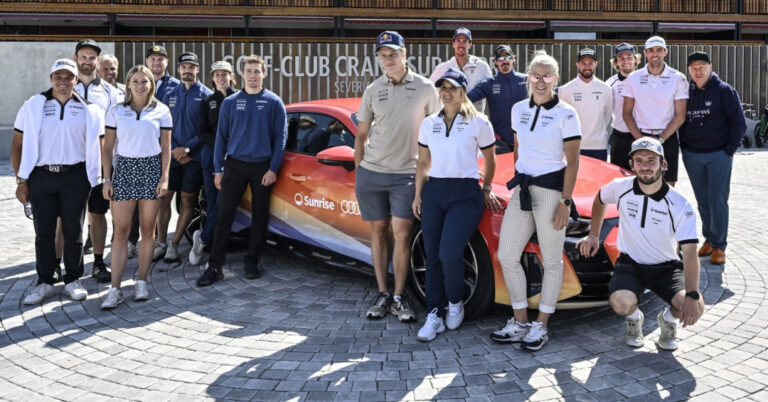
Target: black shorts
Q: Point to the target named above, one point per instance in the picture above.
(621, 144)
(186, 178)
(665, 279)
(96, 202)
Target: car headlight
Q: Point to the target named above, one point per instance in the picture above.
(578, 227)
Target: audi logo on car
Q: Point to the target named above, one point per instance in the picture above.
(349, 207)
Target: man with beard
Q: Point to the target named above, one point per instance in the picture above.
(655, 98)
(186, 173)
(653, 219)
(97, 91)
(592, 99)
(502, 92)
(624, 61)
(108, 72)
(713, 130)
(474, 68)
(157, 62)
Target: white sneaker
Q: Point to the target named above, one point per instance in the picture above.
(141, 292)
(132, 249)
(432, 327)
(75, 290)
(39, 293)
(159, 251)
(536, 338)
(196, 253)
(114, 297)
(171, 254)
(634, 335)
(512, 332)
(455, 315)
(668, 336)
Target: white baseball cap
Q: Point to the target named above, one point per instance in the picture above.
(654, 41)
(648, 144)
(221, 65)
(64, 64)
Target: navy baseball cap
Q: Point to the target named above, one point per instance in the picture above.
(88, 43)
(462, 31)
(390, 39)
(156, 49)
(502, 49)
(624, 47)
(698, 56)
(455, 77)
(188, 57)
(586, 52)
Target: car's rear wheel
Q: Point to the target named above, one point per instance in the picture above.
(478, 272)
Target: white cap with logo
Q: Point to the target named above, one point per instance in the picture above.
(64, 64)
(221, 65)
(648, 144)
(654, 41)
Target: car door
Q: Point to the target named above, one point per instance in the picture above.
(318, 201)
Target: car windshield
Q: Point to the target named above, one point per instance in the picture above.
(354, 119)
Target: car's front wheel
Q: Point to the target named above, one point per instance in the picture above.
(478, 272)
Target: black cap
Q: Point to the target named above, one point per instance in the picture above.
(88, 43)
(502, 49)
(698, 56)
(586, 52)
(624, 47)
(156, 49)
(188, 57)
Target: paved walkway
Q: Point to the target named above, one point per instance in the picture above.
(299, 332)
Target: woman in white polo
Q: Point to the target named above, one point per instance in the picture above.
(547, 142)
(449, 200)
(138, 135)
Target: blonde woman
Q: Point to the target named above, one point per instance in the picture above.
(138, 134)
(547, 142)
(449, 199)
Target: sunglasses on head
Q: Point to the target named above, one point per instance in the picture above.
(503, 58)
(537, 77)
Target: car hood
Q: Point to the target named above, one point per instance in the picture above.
(593, 174)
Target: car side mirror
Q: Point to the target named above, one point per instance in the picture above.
(342, 155)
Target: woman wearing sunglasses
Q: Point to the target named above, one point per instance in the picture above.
(547, 142)
(449, 200)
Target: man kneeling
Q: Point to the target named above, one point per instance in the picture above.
(653, 218)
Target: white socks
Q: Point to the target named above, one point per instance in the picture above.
(668, 317)
(635, 315)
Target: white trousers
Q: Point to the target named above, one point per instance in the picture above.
(516, 229)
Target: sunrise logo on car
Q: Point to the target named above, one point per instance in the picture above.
(307, 201)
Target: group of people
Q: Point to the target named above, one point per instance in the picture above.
(90, 141)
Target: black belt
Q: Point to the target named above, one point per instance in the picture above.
(60, 168)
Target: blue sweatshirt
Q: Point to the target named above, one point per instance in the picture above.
(168, 85)
(252, 128)
(185, 111)
(714, 119)
(502, 91)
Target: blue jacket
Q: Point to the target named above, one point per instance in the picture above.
(252, 128)
(502, 91)
(168, 85)
(185, 108)
(714, 119)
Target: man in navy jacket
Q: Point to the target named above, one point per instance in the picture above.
(502, 91)
(711, 134)
(186, 175)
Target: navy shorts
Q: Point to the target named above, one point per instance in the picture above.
(186, 178)
(96, 202)
(665, 279)
(381, 195)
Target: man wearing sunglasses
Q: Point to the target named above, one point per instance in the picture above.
(655, 101)
(475, 68)
(502, 92)
(592, 99)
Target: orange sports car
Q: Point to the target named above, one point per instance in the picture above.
(314, 210)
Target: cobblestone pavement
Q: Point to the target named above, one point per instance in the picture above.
(299, 332)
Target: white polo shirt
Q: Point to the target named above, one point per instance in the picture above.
(617, 86)
(476, 70)
(593, 102)
(62, 131)
(655, 96)
(454, 149)
(649, 225)
(541, 132)
(138, 134)
(99, 92)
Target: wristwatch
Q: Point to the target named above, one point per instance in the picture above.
(187, 150)
(105, 180)
(19, 180)
(566, 201)
(487, 187)
(693, 295)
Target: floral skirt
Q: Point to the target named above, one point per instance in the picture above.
(136, 178)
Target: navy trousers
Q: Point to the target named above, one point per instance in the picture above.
(710, 175)
(211, 195)
(451, 209)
